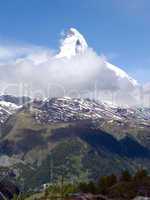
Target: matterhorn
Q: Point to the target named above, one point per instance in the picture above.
(75, 44)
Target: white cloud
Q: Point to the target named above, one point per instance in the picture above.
(147, 87)
(10, 53)
(31, 70)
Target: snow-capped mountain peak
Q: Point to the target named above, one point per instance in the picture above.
(73, 44)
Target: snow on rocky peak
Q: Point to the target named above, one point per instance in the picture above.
(66, 109)
(73, 44)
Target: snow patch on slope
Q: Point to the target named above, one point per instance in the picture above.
(9, 106)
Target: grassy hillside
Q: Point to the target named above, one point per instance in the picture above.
(78, 151)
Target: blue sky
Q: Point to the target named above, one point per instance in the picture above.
(119, 29)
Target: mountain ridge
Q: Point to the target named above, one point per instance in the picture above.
(43, 130)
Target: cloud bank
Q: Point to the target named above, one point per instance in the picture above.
(34, 71)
